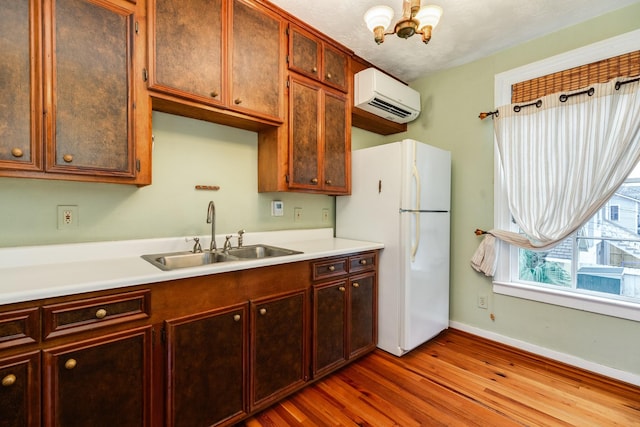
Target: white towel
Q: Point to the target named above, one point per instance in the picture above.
(485, 259)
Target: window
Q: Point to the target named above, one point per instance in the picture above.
(598, 268)
(613, 212)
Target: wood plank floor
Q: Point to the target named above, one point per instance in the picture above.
(458, 379)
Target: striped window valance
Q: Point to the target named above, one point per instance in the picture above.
(577, 77)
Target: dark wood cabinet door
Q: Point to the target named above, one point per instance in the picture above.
(329, 326)
(335, 68)
(304, 53)
(89, 98)
(20, 390)
(100, 382)
(20, 93)
(206, 367)
(304, 135)
(188, 49)
(362, 314)
(337, 147)
(278, 350)
(257, 60)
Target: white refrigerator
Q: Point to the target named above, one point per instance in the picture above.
(401, 196)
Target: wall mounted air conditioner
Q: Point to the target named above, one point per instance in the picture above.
(384, 96)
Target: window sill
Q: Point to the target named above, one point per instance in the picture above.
(615, 308)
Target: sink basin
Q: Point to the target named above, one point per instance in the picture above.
(174, 260)
(259, 251)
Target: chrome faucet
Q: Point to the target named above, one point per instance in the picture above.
(211, 219)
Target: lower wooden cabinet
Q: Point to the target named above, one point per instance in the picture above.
(99, 382)
(344, 312)
(278, 346)
(20, 390)
(206, 367)
(200, 351)
(362, 328)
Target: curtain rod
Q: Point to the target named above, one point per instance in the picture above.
(563, 98)
(620, 83)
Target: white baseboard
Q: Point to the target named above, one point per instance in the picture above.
(618, 374)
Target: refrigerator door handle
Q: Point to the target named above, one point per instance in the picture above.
(416, 176)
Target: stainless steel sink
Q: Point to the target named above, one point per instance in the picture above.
(175, 260)
(260, 251)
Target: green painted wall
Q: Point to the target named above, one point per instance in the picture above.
(186, 153)
(451, 101)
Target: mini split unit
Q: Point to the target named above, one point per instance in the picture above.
(385, 96)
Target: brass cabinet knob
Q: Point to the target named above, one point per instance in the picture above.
(263, 311)
(363, 262)
(16, 152)
(68, 158)
(70, 364)
(101, 313)
(314, 181)
(356, 285)
(237, 101)
(236, 317)
(328, 76)
(328, 182)
(331, 268)
(214, 94)
(9, 380)
(314, 69)
(341, 289)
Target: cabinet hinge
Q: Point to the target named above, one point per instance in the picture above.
(286, 178)
(138, 165)
(286, 31)
(287, 59)
(163, 335)
(145, 75)
(135, 26)
(288, 84)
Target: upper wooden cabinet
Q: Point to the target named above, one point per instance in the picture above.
(20, 86)
(319, 139)
(96, 120)
(312, 154)
(189, 39)
(315, 58)
(213, 59)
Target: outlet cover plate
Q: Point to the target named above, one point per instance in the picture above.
(67, 217)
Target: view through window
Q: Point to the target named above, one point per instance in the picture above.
(602, 258)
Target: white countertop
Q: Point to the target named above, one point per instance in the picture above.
(36, 272)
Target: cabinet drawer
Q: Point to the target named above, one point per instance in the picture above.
(362, 262)
(329, 268)
(75, 316)
(19, 327)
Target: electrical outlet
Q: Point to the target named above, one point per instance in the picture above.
(67, 217)
(483, 301)
(325, 215)
(297, 215)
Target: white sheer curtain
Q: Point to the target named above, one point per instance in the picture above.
(561, 162)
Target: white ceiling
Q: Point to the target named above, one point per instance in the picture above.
(468, 29)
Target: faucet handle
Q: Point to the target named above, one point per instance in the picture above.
(240, 233)
(196, 246)
(227, 242)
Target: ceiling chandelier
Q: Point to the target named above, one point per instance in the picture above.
(414, 20)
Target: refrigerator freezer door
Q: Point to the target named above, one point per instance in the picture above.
(427, 182)
(426, 291)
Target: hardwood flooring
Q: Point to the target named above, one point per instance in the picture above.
(458, 379)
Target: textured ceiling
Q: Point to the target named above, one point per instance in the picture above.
(468, 29)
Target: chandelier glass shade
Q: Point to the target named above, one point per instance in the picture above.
(415, 20)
